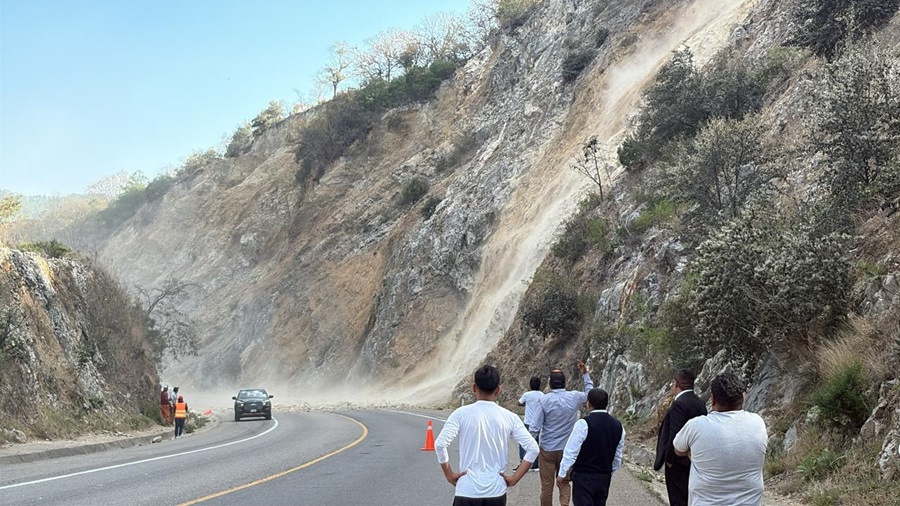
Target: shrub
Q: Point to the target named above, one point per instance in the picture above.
(199, 160)
(855, 125)
(512, 13)
(719, 170)
(581, 233)
(760, 283)
(160, 185)
(413, 190)
(552, 306)
(429, 207)
(843, 399)
(826, 24)
(682, 99)
(241, 141)
(463, 146)
(576, 61)
(52, 248)
(267, 118)
(350, 116)
(818, 465)
(658, 213)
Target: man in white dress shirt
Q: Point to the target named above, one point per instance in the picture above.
(484, 429)
(593, 452)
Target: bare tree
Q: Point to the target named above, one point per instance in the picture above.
(590, 161)
(337, 70)
(443, 37)
(170, 328)
(380, 58)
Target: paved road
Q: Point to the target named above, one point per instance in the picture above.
(366, 457)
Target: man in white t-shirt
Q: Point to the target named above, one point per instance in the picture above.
(530, 400)
(727, 449)
(484, 429)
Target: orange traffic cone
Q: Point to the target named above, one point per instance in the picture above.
(207, 412)
(429, 438)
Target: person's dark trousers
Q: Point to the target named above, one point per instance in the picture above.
(677, 483)
(480, 501)
(534, 465)
(590, 489)
(179, 427)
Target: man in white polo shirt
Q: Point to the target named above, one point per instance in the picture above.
(484, 429)
(727, 449)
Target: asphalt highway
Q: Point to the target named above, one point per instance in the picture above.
(314, 458)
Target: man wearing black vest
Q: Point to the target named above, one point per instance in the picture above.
(593, 452)
(678, 469)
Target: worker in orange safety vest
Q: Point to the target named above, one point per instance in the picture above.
(181, 410)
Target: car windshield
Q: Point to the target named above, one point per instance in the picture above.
(252, 394)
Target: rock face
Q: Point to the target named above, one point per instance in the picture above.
(302, 283)
(70, 345)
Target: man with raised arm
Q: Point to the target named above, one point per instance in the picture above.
(553, 422)
(484, 429)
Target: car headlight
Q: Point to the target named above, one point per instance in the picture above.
(239, 404)
(267, 403)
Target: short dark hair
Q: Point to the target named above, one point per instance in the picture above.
(557, 379)
(728, 390)
(684, 379)
(598, 398)
(487, 378)
(535, 383)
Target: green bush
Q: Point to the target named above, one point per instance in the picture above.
(855, 125)
(267, 118)
(413, 190)
(661, 211)
(843, 399)
(761, 283)
(552, 306)
(819, 465)
(241, 141)
(825, 25)
(718, 171)
(52, 248)
(683, 99)
(575, 62)
(581, 233)
(429, 207)
(350, 116)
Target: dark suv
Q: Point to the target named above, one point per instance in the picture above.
(252, 402)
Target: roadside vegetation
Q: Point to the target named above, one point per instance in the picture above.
(775, 269)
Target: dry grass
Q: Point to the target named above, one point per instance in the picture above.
(862, 342)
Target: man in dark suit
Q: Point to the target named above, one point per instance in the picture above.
(678, 469)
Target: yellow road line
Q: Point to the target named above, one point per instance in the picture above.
(288, 471)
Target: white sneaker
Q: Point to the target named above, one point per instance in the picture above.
(534, 469)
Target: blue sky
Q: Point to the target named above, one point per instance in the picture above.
(90, 87)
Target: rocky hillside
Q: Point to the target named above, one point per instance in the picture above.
(745, 217)
(74, 353)
(337, 278)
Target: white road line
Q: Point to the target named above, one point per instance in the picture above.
(117, 466)
(417, 414)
